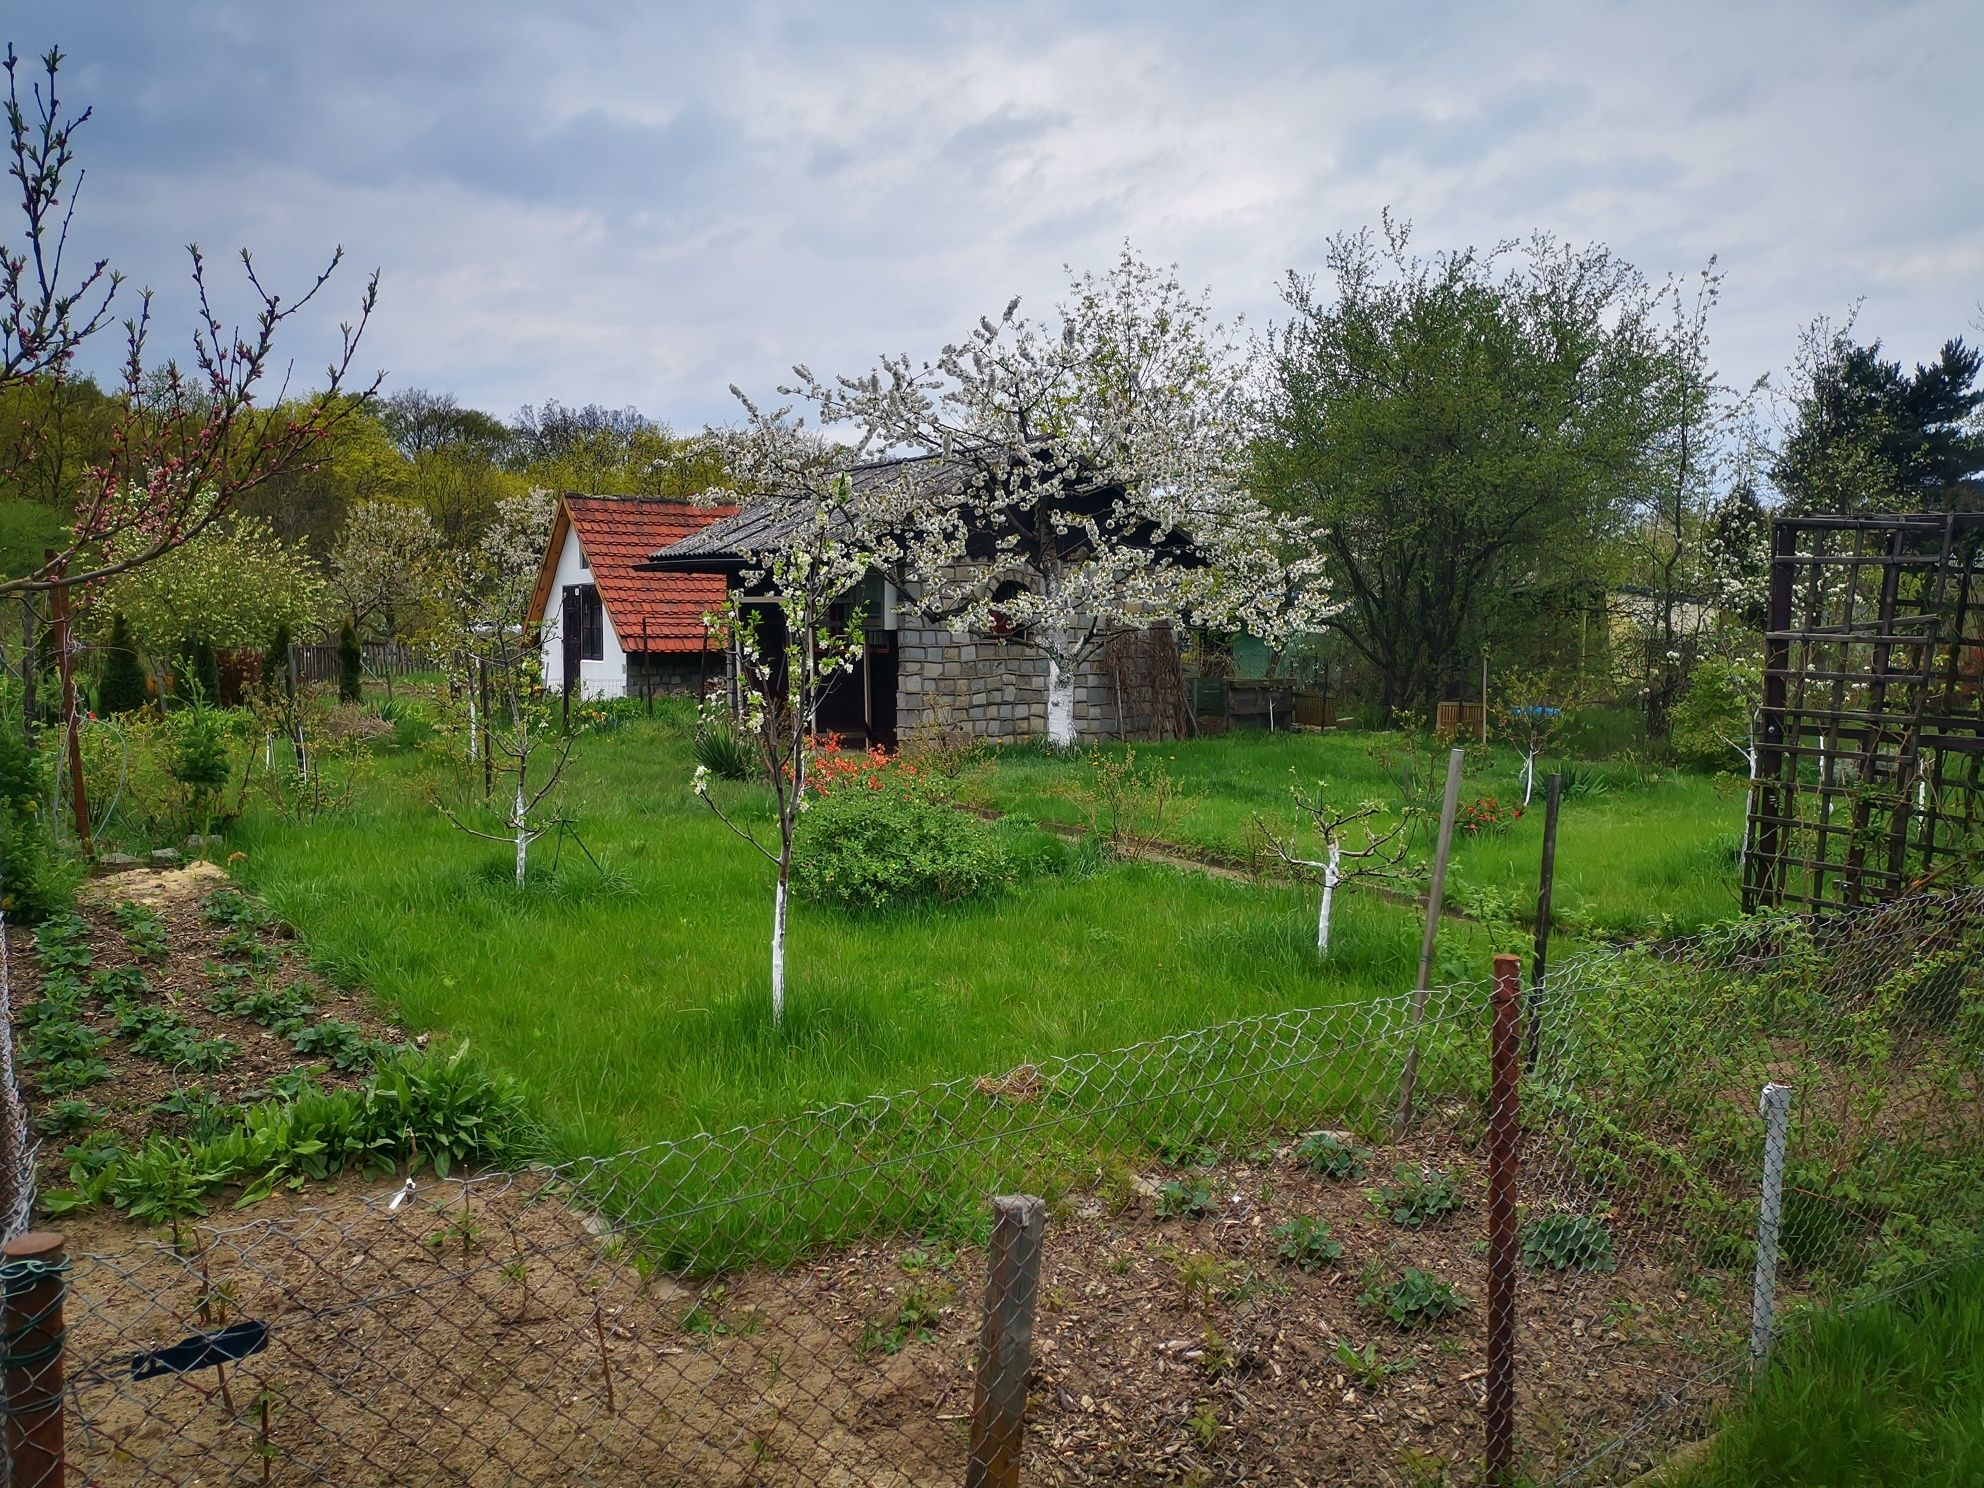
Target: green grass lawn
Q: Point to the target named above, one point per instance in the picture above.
(1890, 1395)
(1651, 851)
(636, 1005)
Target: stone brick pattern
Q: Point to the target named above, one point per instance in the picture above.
(993, 689)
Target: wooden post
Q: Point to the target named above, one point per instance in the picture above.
(27, 668)
(34, 1264)
(647, 666)
(1005, 1347)
(1484, 694)
(1435, 902)
(488, 765)
(1503, 1263)
(296, 720)
(1553, 794)
(72, 731)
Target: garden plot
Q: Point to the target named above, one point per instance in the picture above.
(1249, 1320)
(165, 999)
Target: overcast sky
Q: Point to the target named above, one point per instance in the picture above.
(642, 203)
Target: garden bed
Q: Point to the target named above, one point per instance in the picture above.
(194, 1000)
(490, 1332)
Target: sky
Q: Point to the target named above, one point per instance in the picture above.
(643, 203)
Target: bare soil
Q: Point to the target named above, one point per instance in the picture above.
(485, 1332)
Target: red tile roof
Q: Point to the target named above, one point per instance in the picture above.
(615, 533)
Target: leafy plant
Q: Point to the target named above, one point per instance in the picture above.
(718, 750)
(1417, 1196)
(1332, 1155)
(144, 929)
(1366, 1366)
(343, 1044)
(1568, 1242)
(68, 1115)
(1186, 1198)
(915, 1321)
(1412, 1299)
(1306, 1241)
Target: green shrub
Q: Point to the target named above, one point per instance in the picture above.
(1184, 1198)
(877, 849)
(1417, 1196)
(198, 761)
(122, 688)
(1329, 1154)
(351, 665)
(1307, 1242)
(196, 672)
(37, 879)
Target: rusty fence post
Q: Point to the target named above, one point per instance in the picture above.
(1503, 1125)
(33, 1271)
(1005, 1346)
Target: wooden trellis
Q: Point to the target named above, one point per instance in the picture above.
(1872, 728)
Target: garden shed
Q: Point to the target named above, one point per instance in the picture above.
(609, 629)
(919, 672)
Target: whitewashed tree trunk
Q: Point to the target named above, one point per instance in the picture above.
(778, 949)
(523, 836)
(1332, 876)
(1528, 777)
(1060, 704)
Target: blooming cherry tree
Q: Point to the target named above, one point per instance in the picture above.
(1078, 479)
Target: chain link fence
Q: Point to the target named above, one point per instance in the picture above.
(1255, 1257)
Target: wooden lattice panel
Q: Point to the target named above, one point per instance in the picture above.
(1872, 730)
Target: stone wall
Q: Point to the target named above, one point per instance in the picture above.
(992, 689)
(668, 671)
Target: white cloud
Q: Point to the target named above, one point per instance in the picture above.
(638, 204)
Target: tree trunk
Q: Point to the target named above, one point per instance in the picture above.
(1331, 878)
(1528, 776)
(1060, 704)
(523, 837)
(778, 943)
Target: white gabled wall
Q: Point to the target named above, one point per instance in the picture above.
(605, 678)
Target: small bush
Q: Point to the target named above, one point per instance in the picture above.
(1184, 1198)
(879, 849)
(351, 665)
(122, 688)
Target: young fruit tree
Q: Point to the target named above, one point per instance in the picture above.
(782, 633)
(1533, 717)
(1078, 479)
(1353, 848)
(521, 739)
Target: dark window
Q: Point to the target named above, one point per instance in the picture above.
(583, 609)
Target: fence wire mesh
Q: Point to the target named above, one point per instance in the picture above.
(1262, 1261)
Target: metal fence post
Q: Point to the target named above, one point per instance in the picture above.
(1553, 795)
(1775, 1105)
(1005, 1348)
(1435, 902)
(33, 1271)
(1505, 1057)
